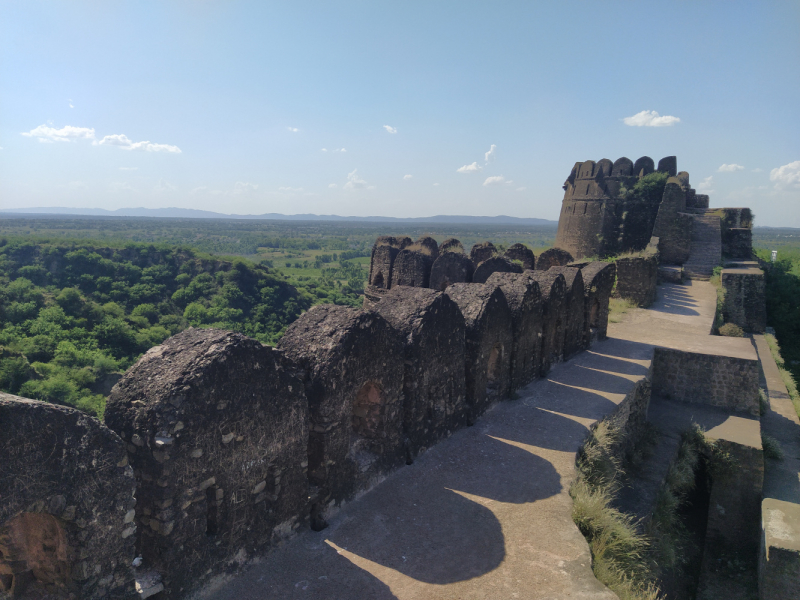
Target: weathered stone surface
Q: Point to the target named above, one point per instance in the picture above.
(426, 245)
(495, 264)
(381, 266)
(553, 288)
(523, 254)
(643, 166)
(525, 301)
(598, 281)
(669, 165)
(353, 365)
(412, 268)
(434, 353)
(451, 245)
(623, 167)
(553, 257)
(65, 492)
(673, 229)
(481, 252)
(211, 417)
(451, 267)
(637, 278)
(723, 381)
(575, 308)
(745, 299)
(488, 344)
(779, 564)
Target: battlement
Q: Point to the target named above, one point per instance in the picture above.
(216, 448)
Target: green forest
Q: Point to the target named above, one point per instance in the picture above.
(82, 298)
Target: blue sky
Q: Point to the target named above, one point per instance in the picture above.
(227, 106)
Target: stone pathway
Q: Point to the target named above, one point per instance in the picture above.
(486, 514)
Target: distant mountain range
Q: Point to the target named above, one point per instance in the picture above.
(190, 213)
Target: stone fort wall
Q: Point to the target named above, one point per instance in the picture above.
(216, 447)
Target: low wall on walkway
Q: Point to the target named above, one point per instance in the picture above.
(637, 278)
(722, 381)
(745, 299)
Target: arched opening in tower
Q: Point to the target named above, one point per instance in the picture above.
(34, 556)
(378, 281)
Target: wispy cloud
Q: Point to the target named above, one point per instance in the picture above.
(120, 186)
(436, 184)
(324, 150)
(787, 175)
(494, 180)
(757, 170)
(407, 177)
(725, 168)
(66, 134)
(69, 101)
(293, 129)
(650, 118)
(390, 129)
(521, 189)
(290, 190)
(341, 150)
(165, 186)
(332, 185)
(243, 187)
(356, 182)
(473, 168)
(121, 140)
(705, 185)
(490, 155)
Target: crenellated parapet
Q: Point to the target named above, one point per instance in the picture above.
(217, 448)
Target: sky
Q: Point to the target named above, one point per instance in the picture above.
(402, 109)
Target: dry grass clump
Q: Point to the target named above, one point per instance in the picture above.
(731, 330)
(618, 307)
(619, 550)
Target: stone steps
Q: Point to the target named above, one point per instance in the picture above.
(706, 252)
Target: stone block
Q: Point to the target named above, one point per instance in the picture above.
(779, 560)
(495, 264)
(451, 267)
(553, 257)
(412, 268)
(481, 252)
(637, 278)
(523, 254)
(210, 415)
(433, 332)
(65, 492)
(352, 365)
(553, 289)
(598, 281)
(575, 307)
(488, 344)
(525, 301)
(745, 299)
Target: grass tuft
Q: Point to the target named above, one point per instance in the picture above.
(731, 330)
(618, 307)
(786, 376)
(619, 549)
(772, 447)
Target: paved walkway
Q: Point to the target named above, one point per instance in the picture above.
(486, 514)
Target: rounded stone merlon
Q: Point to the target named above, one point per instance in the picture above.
(643, 166)
(451, 245)
(481, 252)
(623, 167)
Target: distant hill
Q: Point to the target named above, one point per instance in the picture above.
(189, 213)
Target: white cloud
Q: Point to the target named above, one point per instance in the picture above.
(129, 168)
(354, 182)
(406, 177)
(69, 101)
(293, 129)
(650, 118)
(290, 190)
(201, 188)
(724, 168)
(490, 155)
(332, 185)
(65, 134)
(705, 185)
(324, 150)
(494, 180)
(341, 150)
(757, 170)
(242, 187)
(521, 189)
(390, 129)
(436, 185)
(121, 140)
(786, 175)
(165, 186)
(473, 168)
